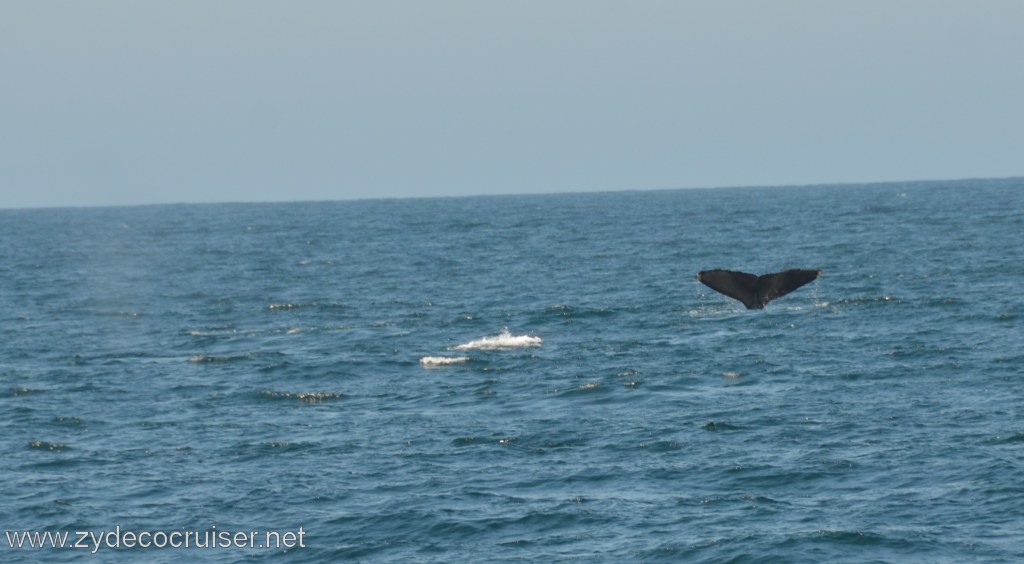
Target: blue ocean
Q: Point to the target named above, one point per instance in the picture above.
(519, 378)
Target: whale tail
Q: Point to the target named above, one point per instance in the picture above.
(756, 291)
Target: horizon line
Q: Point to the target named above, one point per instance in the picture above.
(513, 194)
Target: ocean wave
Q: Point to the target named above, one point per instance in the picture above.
(208, 358)
(307, 397)
(218, 359)
(503, 340)
(213, 331)
(568, 311)
(435, 361)
(720, 426)
(47, 445)
(21, 391)
(302, 305)
(868, 300)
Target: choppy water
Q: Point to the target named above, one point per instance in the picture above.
(523, 378)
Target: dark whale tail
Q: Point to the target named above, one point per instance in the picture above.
(756, 291)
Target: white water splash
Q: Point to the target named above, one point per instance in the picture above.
(435, 361)
(504, 340)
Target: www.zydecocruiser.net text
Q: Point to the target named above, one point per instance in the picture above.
(119, 538)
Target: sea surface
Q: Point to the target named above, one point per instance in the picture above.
(521, 378)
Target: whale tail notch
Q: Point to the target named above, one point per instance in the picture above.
(756, 291)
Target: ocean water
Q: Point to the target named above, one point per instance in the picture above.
(527, 378)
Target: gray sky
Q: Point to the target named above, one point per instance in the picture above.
(131, 102)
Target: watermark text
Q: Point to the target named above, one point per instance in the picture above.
(117, 538)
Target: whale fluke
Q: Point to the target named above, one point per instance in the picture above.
(756, 291)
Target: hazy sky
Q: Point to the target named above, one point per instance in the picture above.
(128, 102)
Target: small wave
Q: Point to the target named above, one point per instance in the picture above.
(716, 311)
(630, 378)
(307, 397)
(300, 305)
(216, 359)
(504, 340)
(207, 358)
(434, 361)
(116, 313)
(22, 391)
(470, 440)
(213, 332)
(579, 312)
(719, 426)
(47, 445)
(870, 300)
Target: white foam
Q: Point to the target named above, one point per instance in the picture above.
(504, 340)
(431, 361)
